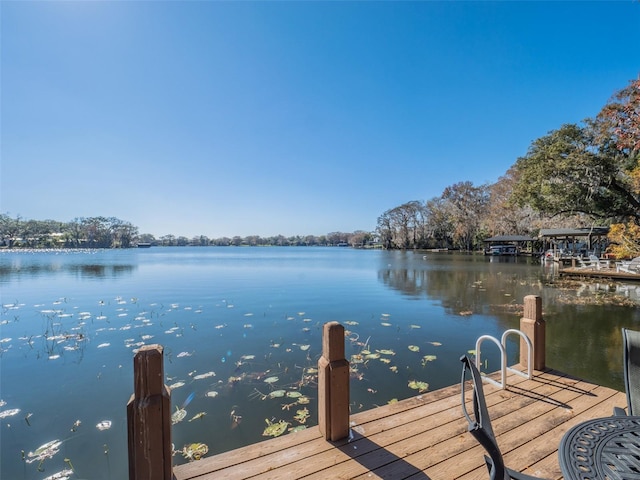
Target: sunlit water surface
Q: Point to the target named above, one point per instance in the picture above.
(241, 330)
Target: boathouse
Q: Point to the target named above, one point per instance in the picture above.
(509, 245)
(567, 243)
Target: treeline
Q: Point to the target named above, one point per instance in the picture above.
(111, 232)
(580, 175)
(91, 232)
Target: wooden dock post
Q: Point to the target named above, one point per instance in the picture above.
(333, 384)
(149, 418)
(533, 326)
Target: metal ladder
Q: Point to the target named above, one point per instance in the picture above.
(502, 346)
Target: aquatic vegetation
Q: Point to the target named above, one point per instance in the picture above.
(386, 352)
(194, 451)
(61, 475)
(271, 380)
(178, 415)
(204, 375)
(9, 413)
(104, 425)
(414, 348)
(420, 386)
(277, 394)
(302, 415)
(212, 394)
(275, 429)
(45, 451)
(197, 416)
(428, 358)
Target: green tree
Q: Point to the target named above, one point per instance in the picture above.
(10, 229)
(568, 171)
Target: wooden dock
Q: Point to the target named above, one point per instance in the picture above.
(603, 273)
(421, 438)
(425, 437)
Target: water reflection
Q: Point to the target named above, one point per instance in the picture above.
(584, 317)
(16, 265)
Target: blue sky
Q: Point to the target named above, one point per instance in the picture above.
(293, 118)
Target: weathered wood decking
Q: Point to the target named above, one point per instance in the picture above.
(604, 273)
(425, 437)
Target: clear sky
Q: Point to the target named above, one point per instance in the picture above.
(293, 118)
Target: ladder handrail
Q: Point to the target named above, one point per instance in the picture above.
(502, 346)
(503, 370)
(527, 340)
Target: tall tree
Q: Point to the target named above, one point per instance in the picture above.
(617, 127)
(467, 204)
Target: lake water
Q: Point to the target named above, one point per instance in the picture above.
(241, 329)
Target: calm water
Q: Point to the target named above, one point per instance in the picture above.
(231, 318)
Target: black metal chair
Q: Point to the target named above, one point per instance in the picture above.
(480, 426)
(631, 362)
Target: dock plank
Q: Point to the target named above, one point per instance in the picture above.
(425, 437)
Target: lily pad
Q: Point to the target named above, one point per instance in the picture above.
(178, 415)
(9, 413)
(414, 348)
(197, 416)
(420, 386)
(386, 352)
(277, 394)
(48, 450)
(275, 429)
(104, 425)
(271, 380)
(194, 451)
(302, 415)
